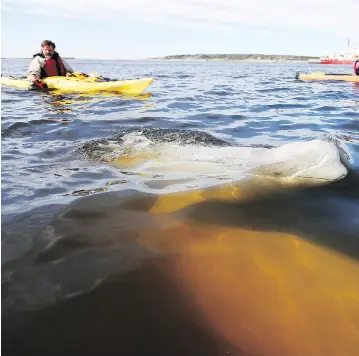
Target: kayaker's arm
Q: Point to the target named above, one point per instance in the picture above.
(34, 71)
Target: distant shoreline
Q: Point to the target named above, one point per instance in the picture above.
(227, 60)
(235, 58)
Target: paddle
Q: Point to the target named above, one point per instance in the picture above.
(92, 77)
(80, 75)
(39, 85)
(322, 73)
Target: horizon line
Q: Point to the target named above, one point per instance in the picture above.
(179, 54)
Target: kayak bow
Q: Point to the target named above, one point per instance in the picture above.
(328, 76)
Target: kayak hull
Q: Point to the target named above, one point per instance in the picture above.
(70, 84)
(322, 76)
(336, 61)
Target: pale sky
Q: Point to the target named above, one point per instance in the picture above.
(134, 29)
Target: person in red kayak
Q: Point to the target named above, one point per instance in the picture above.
(356, 67)
(47, 63)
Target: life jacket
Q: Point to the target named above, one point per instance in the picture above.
(53, 66)
(356, 67)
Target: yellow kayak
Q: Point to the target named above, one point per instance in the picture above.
(324, 76)
(90, 84)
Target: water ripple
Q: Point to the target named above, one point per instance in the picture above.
(241, 103)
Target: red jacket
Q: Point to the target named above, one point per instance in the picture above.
(53, 66)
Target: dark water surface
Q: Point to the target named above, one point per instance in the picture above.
(219, 216)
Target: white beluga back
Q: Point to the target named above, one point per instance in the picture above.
(309, 162)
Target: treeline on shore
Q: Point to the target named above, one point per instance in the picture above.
(278, 57)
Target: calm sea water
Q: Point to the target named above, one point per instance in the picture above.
(177, 223)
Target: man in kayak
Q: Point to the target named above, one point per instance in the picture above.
(47, 63)
(356, 67)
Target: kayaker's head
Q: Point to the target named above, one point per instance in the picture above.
(48, 48)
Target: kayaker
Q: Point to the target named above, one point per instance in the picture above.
(356, 67)
(47, 63)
